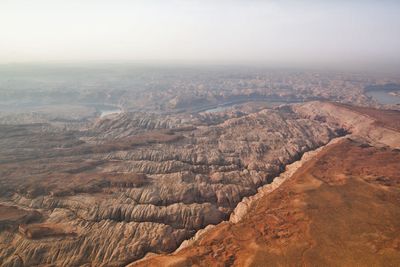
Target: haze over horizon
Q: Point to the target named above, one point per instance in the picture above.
(280, 32)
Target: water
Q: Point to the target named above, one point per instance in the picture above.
(384, 97)
(268, 102)
(218, 109)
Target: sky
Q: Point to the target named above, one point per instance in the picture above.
(280, 32)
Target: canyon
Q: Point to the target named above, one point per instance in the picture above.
(133, 184)
(199, 169)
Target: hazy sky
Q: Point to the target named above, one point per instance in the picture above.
(221, 31)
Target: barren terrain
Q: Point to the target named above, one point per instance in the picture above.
(133, 184)
(341, 208)
(191, 150)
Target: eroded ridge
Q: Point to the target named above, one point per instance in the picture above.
(332, 205)
(127, 185)
(338, 207)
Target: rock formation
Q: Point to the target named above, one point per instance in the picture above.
(131, 184)
(337, 206)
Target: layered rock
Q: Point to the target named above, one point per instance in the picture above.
(376, 125)
(132, 184)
